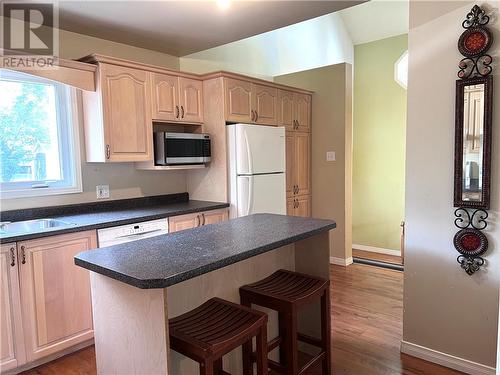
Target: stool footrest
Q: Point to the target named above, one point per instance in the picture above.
(309, 340)
(312, 362)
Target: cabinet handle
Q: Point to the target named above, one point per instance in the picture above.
(256, 116)
(182, 111)
(23, 255)
(176, 111)
(198, 220)
(12, 257)
(298, 123)
(108, 151)
(203, 216)
(252, 115)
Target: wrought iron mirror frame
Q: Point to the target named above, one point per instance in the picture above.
(475, 68)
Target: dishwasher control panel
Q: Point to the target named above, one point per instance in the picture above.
(132, 232)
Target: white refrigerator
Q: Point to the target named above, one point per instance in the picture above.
(257, 182)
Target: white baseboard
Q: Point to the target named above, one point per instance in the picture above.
(340, 261)
(446, 360)
(379, 250)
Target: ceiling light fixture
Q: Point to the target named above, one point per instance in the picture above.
(223, 4)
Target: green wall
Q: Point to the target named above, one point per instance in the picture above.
(378, 144)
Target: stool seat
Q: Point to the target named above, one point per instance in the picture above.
(215, 328)
(287, 286)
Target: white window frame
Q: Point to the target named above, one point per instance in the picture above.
(69, 145)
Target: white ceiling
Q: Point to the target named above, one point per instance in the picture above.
(183, 27)
(376, 19)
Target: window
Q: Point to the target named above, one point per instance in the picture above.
(401, 70)
(39, 147)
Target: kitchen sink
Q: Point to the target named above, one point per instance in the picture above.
(30, 226)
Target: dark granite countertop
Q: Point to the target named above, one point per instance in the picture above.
(162, 261)
(107, 214)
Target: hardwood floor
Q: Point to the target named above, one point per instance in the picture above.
(377, 256)
(367, 309)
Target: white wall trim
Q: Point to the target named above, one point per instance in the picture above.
(379, 250)
(341, 261)
(446, 360)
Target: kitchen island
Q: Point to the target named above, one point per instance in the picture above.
(138, 286)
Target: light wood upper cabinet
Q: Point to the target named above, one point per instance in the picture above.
(188, 221)
(117, 117)
(55, 293)
(177, 99)
(302, 104)
(286, 108)
(265, 104)
(165, 97)
(238, 100)
(12, 352)
(191, 99)
(302, 162)
(249, 102)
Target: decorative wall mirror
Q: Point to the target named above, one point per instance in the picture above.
(473, 127)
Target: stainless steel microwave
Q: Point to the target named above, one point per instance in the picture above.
(181, 148)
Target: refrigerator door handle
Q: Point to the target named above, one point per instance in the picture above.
(249, 192)
(248, 154)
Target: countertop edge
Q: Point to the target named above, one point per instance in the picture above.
(81, 228)
(184, 276)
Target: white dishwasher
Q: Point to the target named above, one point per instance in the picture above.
(131, 232)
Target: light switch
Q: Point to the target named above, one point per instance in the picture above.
(330, 156)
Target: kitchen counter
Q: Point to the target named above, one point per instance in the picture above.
(106, 214)
(162, 261)
(138, 286)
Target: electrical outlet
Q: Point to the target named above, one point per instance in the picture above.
(330, 156)
(102, 191)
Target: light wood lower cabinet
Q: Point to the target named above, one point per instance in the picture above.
(12, 352)
(188, 221)
(55, 294)
(299, 206)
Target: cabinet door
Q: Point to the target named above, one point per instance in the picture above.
(191, 100)
(165, 97)
(214, 216)
(286, 114)
(290, 209)
(128, 128)
(12, 353)
(181, 222)
(303, 112)
(303, 206)
(238, 100)
(302, 166)
(265, 104)
(55, 293)
(290, 162)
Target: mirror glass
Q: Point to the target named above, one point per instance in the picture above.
(473, 146)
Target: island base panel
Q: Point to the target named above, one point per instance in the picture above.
(130, 333)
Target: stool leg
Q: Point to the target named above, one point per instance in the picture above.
(247, 358)
(207, 367)
(262, 367)
(218, 366)
(326, 331)
(289, 351)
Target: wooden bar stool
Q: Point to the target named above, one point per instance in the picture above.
(215, 328)
(286, 292)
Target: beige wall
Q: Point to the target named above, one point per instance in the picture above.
(444, 309)
(123, 179)
(331, 131)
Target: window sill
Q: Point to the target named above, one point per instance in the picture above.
(13, 194)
